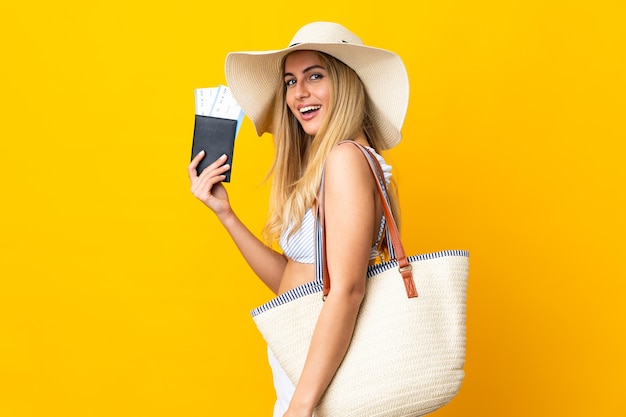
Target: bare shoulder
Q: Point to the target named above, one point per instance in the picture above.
(347, 163)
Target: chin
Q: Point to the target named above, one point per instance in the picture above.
(311, 130)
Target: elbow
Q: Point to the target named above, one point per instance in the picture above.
(349, 296)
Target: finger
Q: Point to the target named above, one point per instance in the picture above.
(216, 168)
(217, 171)
(202, 188)
(193, 173)
(209, 177)
(217, 163)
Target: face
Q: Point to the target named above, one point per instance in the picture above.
(308, 89)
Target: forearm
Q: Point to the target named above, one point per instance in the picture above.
(329, 344)
(266, 263)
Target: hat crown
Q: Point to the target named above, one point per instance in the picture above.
(324, 32)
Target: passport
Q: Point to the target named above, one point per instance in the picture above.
(217, 121)
(216, 137)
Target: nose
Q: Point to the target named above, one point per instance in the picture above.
(302, 90)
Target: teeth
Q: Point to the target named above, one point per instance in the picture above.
(309, 108)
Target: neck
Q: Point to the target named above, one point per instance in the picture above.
(361, 139)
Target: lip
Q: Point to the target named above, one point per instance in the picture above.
(302, 106)
(310, 115)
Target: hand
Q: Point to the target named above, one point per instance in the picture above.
(207, 187)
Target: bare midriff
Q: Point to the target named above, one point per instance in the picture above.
(295, 274)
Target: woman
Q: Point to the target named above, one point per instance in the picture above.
(325, 88)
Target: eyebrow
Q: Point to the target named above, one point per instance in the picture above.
(307, 69)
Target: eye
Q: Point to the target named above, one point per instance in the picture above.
(290, 81)
(316, 76)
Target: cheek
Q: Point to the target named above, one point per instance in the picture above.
(289, 101)
(324, 95)
(292, 109)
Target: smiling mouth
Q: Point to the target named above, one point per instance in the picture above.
(309, 109)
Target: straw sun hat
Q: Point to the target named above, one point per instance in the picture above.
(253, 77)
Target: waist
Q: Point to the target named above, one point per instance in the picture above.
(296, 274)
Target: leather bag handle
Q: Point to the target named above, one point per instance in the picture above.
(404, 267)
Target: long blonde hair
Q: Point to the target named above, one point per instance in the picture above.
(299, 158)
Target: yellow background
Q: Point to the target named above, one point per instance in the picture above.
(121, 295)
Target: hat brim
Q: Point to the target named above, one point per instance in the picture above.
(254, 76)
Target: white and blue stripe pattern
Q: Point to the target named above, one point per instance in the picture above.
(300, 246)
(314, 287)
(378, 268)
(311, 287)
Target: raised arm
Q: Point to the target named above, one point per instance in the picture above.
(266, 263)
(351, 209)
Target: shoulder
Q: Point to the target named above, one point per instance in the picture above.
(347, 164)
(346, 155)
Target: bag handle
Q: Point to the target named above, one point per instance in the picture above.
(404, 267)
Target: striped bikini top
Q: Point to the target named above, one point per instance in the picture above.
(300, 246)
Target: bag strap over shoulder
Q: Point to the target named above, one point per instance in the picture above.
(404, 267)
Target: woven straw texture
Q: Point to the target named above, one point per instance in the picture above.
(407, 355)
(254, 76)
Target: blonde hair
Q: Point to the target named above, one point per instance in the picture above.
(299, 158)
